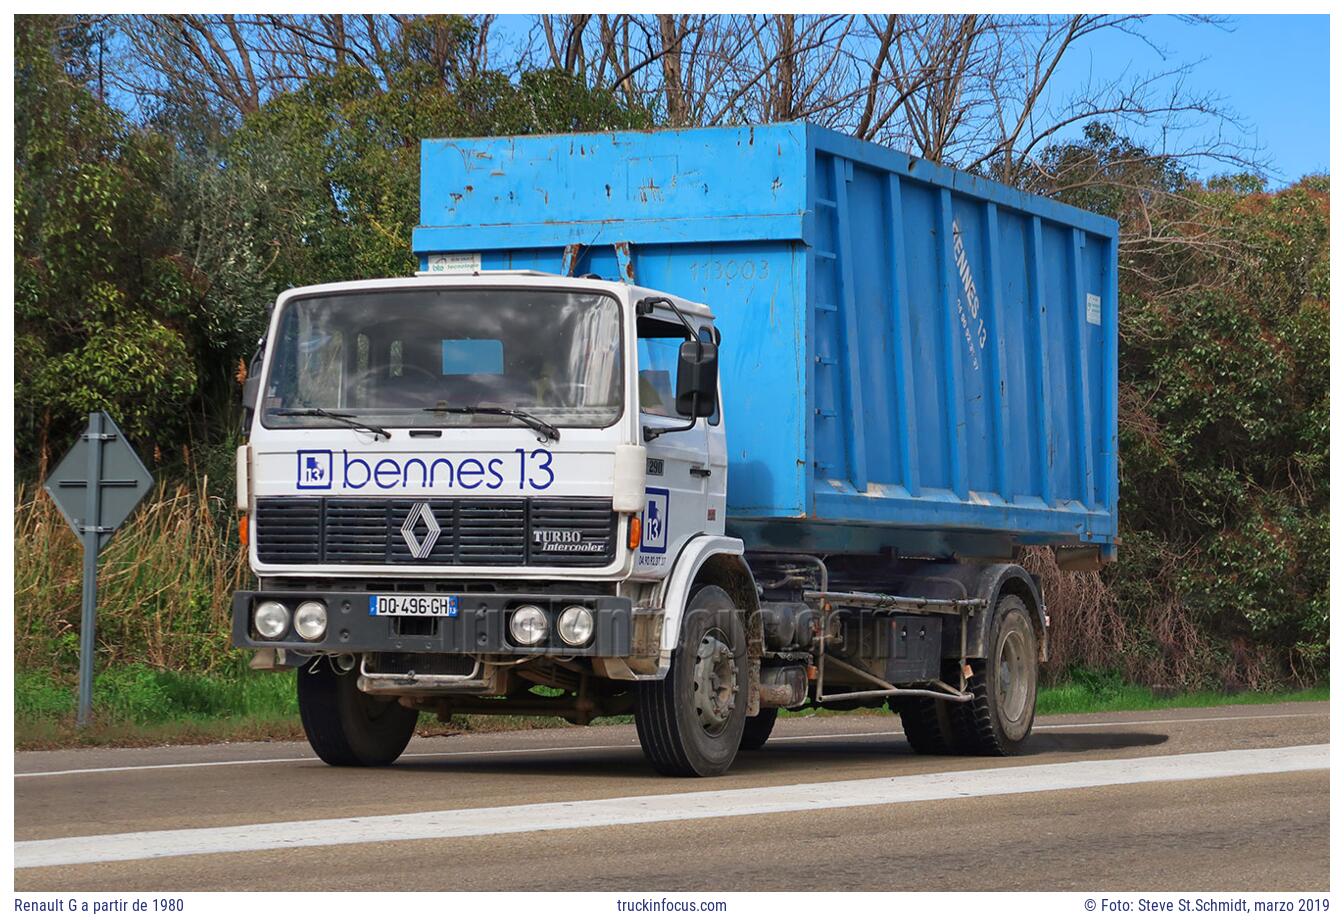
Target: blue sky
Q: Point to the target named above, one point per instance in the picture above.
(1272, 71)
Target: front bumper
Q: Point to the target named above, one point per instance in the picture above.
(479, 627)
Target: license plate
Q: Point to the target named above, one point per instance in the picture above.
(412, 605)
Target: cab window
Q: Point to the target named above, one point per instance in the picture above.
(659, 342)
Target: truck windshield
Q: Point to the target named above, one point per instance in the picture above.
(391, 357)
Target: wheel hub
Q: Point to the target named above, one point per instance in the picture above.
(1013, 678)
(715, 683)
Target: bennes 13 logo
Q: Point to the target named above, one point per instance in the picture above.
(521, 469)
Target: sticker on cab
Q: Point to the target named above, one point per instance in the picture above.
(653, 538)
(314, 470)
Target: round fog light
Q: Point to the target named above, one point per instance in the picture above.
(310, 620)
(575, 625)
(527, 625)
(271, 619)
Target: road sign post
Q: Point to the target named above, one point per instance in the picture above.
(96, 486)
(89, 607)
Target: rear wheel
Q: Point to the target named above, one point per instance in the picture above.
(998, 720)
(758, 730)
(346, 726)
(928, 724)
(690, 723)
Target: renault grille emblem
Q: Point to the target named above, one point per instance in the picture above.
(420, 513)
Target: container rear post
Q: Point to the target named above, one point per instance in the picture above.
(1110, 484)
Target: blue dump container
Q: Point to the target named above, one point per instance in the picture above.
(913, 357)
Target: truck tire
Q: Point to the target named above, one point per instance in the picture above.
(690, 723)
(998, 720)
(346, 726)
(758, 729)
(928, 724)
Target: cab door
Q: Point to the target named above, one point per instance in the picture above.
(677, 485)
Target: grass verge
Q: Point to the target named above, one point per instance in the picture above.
(1071, 698)
(136, 706)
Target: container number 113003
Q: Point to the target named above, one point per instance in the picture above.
(730, 270)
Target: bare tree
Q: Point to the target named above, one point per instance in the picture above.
(564, 41)
(233, 64)
(977, 91)
(173, 59)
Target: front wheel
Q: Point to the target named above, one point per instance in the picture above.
(346, 726)
(690, 723)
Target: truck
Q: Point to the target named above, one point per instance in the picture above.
(690, 425)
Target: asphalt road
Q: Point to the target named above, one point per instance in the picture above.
(1234, 798)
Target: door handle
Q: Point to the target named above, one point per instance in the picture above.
(699, 471)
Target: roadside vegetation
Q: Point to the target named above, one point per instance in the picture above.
(164, 584)
(151, 234)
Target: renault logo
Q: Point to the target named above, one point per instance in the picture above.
(420, 514)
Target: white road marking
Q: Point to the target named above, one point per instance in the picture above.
(687, 806)
(162, 766)
(1040, 729)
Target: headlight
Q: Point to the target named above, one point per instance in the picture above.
(575, 625)
(271, 618)
(528, 625)
(310, 620)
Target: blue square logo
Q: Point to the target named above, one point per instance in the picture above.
(314, 470)
(654, 534)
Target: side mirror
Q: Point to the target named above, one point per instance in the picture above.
(697, 379)
(251, 388)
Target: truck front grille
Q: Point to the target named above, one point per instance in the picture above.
(420, 663)
(435, 531)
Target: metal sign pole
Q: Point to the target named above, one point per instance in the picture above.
(77, 487)
(90, 538)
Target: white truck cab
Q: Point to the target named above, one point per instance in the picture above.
(463, 487)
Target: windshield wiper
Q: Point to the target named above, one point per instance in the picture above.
(345, 418)
(549, 431)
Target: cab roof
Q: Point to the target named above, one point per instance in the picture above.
(497, 279)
